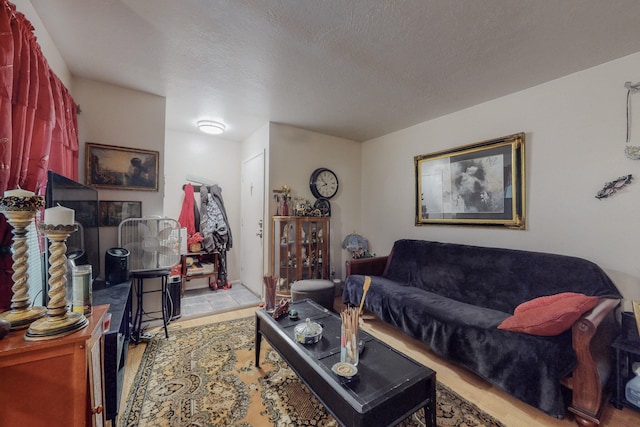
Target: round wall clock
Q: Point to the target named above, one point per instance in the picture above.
(323, 183)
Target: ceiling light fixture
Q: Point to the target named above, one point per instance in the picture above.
(211, 127)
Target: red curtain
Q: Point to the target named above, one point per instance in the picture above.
(38, 124)
(6, 92)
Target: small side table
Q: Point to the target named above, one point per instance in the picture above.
(184, 269)
(627, 353)
(138, 282)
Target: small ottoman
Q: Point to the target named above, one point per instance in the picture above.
(320, 291)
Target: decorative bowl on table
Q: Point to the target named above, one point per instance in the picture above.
(308, 332)
(344, 369)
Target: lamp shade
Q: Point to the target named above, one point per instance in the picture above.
(354, 242)
(211, 127)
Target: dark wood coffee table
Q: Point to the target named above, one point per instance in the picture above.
(388, 388)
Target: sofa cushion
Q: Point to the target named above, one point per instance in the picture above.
(549, 315)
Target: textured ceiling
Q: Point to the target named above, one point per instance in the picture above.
(357, 69)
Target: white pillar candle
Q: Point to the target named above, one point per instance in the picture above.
(19, 192)
(59, 215)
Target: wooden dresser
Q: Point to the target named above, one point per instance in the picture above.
(57, 382)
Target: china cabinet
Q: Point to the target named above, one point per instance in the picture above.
(299, 249)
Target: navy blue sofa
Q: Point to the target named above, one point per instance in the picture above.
(452, 297)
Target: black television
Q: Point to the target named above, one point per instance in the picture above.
(83, 246)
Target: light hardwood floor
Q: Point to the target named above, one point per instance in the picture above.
(511, 412)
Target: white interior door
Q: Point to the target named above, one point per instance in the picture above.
(252, 224)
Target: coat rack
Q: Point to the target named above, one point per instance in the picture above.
(197, 180)
(196, 188)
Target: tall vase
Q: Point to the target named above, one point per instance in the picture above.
(270, 293)
(349, 338)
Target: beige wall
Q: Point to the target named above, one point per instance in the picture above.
(295, 154)
(113, 115)
(575, 131)
(116, 116)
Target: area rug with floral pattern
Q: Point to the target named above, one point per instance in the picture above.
(205, 376)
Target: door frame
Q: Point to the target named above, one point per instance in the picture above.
(245, 233)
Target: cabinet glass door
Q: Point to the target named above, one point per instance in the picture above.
(285, 260)
(312, 249)
(300, 249)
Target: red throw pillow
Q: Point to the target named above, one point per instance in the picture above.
(544, 301)
(549, 315)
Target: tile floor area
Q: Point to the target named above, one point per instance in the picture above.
(200, 302)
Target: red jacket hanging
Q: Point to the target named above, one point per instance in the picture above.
(187, 218)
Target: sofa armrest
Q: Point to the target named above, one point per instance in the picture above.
(592, 337)
(367, 266)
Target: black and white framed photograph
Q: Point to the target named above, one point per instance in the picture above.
(476, 184)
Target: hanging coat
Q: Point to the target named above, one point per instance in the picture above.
(214, 227)
(214, 224)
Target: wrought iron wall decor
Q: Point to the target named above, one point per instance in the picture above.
(611, 187)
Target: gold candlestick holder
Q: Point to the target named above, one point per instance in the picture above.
(58, 321)
(20, 212)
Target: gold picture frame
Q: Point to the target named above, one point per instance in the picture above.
(480, 184)
(636, 312)
(121, 168)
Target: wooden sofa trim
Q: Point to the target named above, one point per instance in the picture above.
(592, 336)
(367, 266)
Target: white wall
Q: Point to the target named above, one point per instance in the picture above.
(295, 154)
(215, 159)
(291, 153)
(575, 136)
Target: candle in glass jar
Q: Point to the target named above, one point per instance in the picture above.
(19, 192)
(59, 215)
